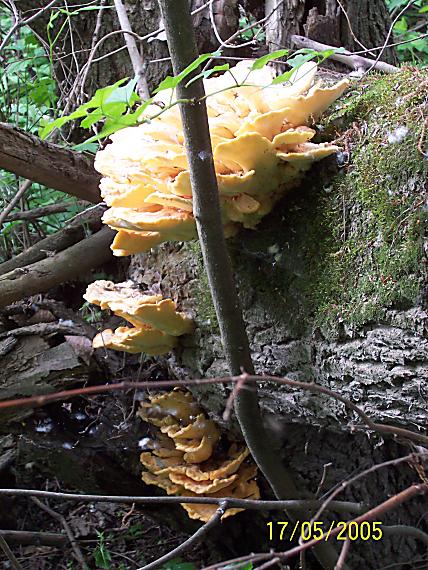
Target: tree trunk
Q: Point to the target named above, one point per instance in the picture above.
(144, 17)
(333, 285)
(326, 22)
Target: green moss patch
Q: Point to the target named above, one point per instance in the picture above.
(348, 244)
(374, 216)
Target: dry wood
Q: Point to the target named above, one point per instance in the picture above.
(72, 233)
(33, 537)
(48, 164)
(36, 213)
(71, 263)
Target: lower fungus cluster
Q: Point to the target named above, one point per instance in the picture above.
(261, 148)
(156, 321)
(187, 458)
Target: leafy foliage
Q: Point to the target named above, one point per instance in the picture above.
(115, 107)
(28, 95)
(412, 24)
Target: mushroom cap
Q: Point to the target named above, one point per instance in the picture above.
(143, 311)
(134, 341)
(255, 127)
(186, 436)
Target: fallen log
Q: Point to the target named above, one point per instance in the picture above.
(67, 236)
(49, 164)
(73, 262)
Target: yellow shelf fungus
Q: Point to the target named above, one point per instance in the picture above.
(261, 148)
(156, 321)
(185, 457)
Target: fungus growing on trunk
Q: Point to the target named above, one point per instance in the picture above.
(187, 458)
(260, 141)
(156, 321)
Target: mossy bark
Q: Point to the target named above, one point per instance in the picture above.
(333, 285)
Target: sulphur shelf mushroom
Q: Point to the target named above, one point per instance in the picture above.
(261, 147)
(185, 457)
(156, 321)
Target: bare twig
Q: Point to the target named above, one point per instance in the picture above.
(19, 24)
(34, 538)
(350, 481)
(307, 386)
(346, 57)
(36, 213)
(296, 504)
(343, 555)
(9, 554)
(75, 547)
(23, 188)
(374, 514)
(408, 531)
(135, 56)
(376, 62)
(194, 539)
(348, 21)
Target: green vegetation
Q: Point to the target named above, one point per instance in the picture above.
(410, 26)
(372, 215)
(28, 94)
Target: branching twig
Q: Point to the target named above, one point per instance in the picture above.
(293, 505)
(22, 190)
(346, 57)
(376, 62)
(135, 56)
(19, 24)
(372, 515)
(75, 547)
(194, 539)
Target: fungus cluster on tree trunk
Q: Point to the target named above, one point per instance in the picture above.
(156, 321)
(187, 458)
(260, 142)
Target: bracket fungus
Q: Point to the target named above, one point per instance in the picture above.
(156, 321)
(187, 458)
(260, 135)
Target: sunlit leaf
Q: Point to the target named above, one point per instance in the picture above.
(262, 61)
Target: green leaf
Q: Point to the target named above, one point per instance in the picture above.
(171, 82)
(283, 77)
(298, 60)
(208, 72)
(423, 10)
(262, 61)
(125, 94)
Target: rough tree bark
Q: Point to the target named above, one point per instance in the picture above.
(325, 21)
(49, 164)
(144, 17)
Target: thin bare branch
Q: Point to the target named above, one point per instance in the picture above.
(9, 554)
(19, 24)
(307, 386)
(197, 537)
(75, 547)
(337, 506)
(135, 56)
(346, 57)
